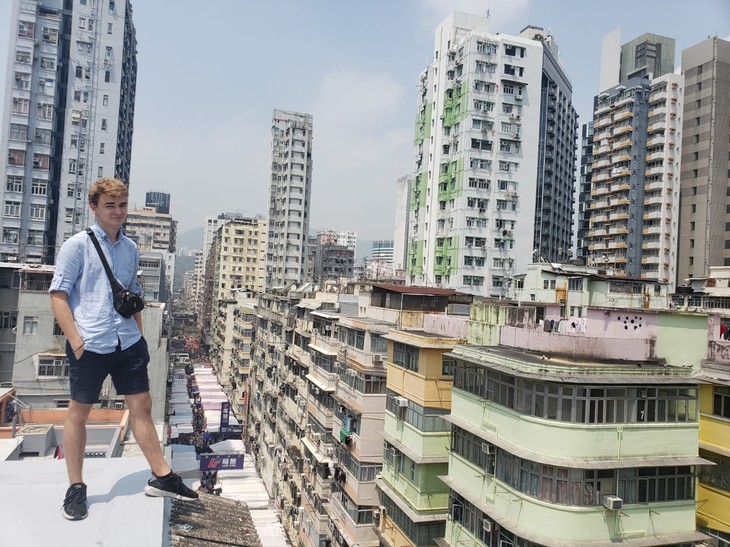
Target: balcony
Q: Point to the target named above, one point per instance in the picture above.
(653, 200)
(658, 170)
(623, 115)
(620, 172)
(620, 144)
(622, 129)
(620, 158)
(621, 186)
(653, 215)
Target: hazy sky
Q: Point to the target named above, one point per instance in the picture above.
(211, 72)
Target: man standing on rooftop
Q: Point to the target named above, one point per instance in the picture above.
(101, 342)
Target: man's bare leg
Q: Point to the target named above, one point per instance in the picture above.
(145, 433)
(74, 440)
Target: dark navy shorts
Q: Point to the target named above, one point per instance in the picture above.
(128, 369)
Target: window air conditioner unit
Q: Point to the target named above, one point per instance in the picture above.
(488, 448)
(119, 405)
(401, 402)
(377, 359)
(613, 503)
(316, 391)
(317, 436)
(487, 525)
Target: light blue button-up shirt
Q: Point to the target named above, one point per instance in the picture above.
(80, 274)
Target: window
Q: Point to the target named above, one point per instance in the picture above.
(10, 235)
(479, 144)
(43, 136)
(101, 148)
(405, 356)
(30, 324)
(26, 29)
(103, 124)
(46, 85)
(18, 132)
(36, 237)
(72, 166)
(721, 401)
(105, 100)
(22, 80)
(37, 212)
(20, 106)
(109, 28)
(16, 158)
(23, 57)
(575, 284)
(483, 106)
(14, 183)
(8, 319)
(107, 76)
(44, 111)
(50, 35)
(586, 404)
(447, 366)
(41, 162)
(48, 63)
(52, 367)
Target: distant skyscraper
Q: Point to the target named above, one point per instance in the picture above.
(159, 200)
(70, 89)
(632, 208)
(705, 203)
(402, 214)
(382, 250)
(289, 198)
(494, 158)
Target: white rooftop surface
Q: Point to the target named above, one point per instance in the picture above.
(246, 486)
(119, 512)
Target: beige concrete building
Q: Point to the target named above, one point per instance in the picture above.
(151, 230)
(705, 198)
(240, 256)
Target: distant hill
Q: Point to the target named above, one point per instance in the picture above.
(182, 265)
(192, 239)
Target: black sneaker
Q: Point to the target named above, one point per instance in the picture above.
(74, 506)
(171, 486)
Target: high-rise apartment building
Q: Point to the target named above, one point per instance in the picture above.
(553, 232)
(494, 155)
(151, 230)
(239, 261)
(289, 198)
(584, 191)
(400, 229)
(634, 189)
(70, 89)
(704, 194)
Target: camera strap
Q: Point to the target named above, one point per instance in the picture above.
(116, 286)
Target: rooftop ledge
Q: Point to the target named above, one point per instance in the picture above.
(546, 366)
